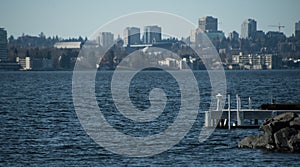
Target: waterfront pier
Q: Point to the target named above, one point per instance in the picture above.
(239, 118)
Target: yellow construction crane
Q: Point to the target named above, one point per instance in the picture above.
(279, 26)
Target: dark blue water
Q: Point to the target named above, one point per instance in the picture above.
(39, 126)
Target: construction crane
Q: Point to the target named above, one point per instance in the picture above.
(279, 26)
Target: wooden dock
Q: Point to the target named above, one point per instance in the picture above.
(239, 118)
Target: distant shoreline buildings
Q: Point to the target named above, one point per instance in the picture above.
(252, 49)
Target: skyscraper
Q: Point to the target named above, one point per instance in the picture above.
(3, 44)
(208, 24)
(131, 35)
(233, 35)
(152, 34)
(248, 28)
(105, 39)
(297, 30)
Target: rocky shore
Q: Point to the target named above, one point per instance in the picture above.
(281, 133)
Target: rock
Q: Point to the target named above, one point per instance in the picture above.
(295, 123)
(247, 142)
(294, 143)
(282, 138)
(285, 117)
(271, 126)
(281, 133)
(259, 141)
(268, 120)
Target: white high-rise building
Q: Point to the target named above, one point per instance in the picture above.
(248, 28)
(106, 39)
(132, 36)
(3, 44)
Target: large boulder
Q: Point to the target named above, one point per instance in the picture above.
(248, 142)
(259, 141)
(294, 143)
(295, 123)
(283, 136)
(281, 133)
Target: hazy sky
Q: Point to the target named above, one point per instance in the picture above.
(71, 18)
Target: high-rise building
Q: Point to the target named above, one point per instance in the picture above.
(152, 34)
(105, 39)
(3, 44)
(297, 30)
(208, 24)
(132, 36)
(248, 28)
(198, 37)
(233, 35)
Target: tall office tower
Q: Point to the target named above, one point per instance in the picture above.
(248, 28)
(152, 34)
(297, 30)
(3, 44)
(105, 39)
(208, 24)
(132, 36)
(233, 35)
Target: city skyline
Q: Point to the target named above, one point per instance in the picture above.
(67, 19)
(211, 33)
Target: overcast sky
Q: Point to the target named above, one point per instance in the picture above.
(71, 18)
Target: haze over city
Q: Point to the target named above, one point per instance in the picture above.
(74, 18)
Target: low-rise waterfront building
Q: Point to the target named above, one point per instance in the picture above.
(257, 61)
(24, 63)
(67, 45)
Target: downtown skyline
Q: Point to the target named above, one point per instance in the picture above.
(71, 19)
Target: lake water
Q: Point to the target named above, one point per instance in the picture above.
(39, 126)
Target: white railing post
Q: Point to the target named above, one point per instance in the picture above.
(219, 99)
(241, 115)
(229, 116)
(238, 118)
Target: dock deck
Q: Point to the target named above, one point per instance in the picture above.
(243, 118)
